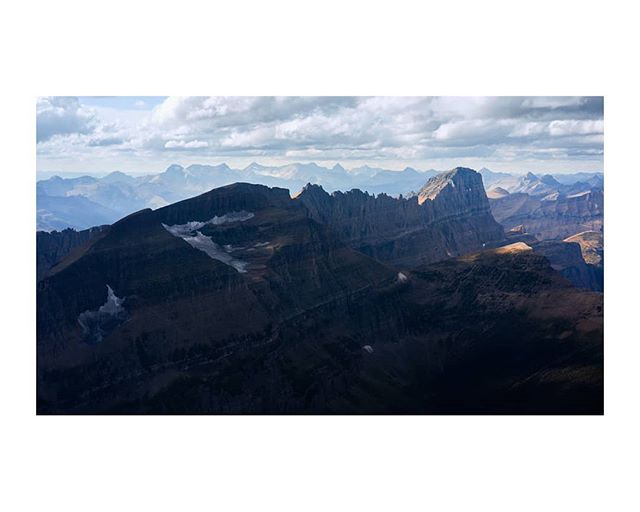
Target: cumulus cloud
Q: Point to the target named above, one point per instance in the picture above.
(191, 144)
(62, 116)
(395, 129)
(469, 132)
(104, 141)
(572, 127)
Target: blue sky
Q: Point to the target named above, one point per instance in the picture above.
(146, 134)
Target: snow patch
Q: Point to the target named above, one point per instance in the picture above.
(214, 251)
(402, 278)
(190, 233)
(368, 349)
(190, 227)
(231, 248)
(98, 323)
(579, 194)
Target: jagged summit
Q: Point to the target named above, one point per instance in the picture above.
(313, 190)
(253, 166)
(313, 187)
(548, 179)
(455, 219)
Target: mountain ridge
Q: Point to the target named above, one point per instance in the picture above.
(410, 230)
(120, 194)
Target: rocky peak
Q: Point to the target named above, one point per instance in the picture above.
(548, 179)
(497, 192)
(466, 180)
(316, 200)
(116, 176)
(449, 216)
(196, 169)
(313, 188)
(253, 166)
(219, 201)
(174, 170)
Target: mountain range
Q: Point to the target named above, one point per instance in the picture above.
(85, 201)
(62, 201)
(548, 209)
(246, 299)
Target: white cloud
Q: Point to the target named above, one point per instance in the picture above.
(397, 129)
(468, 132)
(529, 129)
(62, 116)
(192, 144)
(552, 102)
(572, 127)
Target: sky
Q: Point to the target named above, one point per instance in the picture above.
(141, 134)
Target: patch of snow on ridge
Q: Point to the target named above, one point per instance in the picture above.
(190, 227)
(190, 233)
(579, 194)
(113, 306)
(402, 278)
(240, 216)
(98, 323)
(214, 251)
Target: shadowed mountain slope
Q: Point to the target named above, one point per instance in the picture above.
(238, 301)
(449, 216)
(56, 245)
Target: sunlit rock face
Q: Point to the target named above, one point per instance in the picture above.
(566, 257)
(591, 245)
(449, 216)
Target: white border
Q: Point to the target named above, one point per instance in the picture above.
(318, 463)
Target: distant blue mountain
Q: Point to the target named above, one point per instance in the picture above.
(77, 212)
(117, 194)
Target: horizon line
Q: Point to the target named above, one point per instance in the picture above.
(297, 162)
